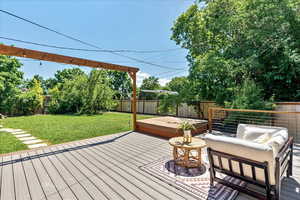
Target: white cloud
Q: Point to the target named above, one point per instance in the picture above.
(142, 75)
(163, 81)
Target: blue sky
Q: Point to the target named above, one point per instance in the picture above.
(110, 24)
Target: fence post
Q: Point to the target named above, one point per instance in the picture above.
(177, 110)
(121, 102)
(157, 106)
(210, 115)
(144, 106)
(199, 109)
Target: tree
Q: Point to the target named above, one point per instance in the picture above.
(249, 96)
(121, 83)
(49, 84)
(232, 40)
(98, 95)
(29, 83)
(150, 83)
(10, 79)
(83, 95)
(68, 74)
(68, 97)
(31, 101)
(177, 84)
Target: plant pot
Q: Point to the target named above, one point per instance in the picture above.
(187, 136)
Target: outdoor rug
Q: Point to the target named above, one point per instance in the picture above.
(194, 181)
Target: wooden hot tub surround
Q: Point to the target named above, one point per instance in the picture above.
(167, 126)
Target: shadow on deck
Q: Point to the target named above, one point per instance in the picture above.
(100, 168)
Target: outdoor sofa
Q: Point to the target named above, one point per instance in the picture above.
(259, 155)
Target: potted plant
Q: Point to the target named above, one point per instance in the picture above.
(187, 128)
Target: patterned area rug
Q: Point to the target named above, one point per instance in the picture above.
(194, 181)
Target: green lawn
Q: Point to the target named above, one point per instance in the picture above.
(8, 143)
(57, 129)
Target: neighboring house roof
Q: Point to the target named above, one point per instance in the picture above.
(160, 91)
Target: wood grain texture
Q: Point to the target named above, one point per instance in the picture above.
(39, 55)
(104, 167)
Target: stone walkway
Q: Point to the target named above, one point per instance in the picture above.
(26, 138)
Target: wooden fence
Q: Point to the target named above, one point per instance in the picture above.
(183, 110)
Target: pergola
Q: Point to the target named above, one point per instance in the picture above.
(39, 55)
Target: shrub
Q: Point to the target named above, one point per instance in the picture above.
(83, 95)
(250, 96)
(31, 101)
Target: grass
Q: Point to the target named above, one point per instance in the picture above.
(9, 143)
(56, 129)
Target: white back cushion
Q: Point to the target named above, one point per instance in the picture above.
(252, 132)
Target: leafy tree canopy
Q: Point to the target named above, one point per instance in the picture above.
(68, 74)
(121, 83)
(10, 79)
(83, 94)
(232, 40)
(31, 101)
(177, 84)
(150, 83)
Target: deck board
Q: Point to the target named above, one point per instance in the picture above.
(34, 185)
(7, 186)
(49, 188)
(21, 186)
(101, 168)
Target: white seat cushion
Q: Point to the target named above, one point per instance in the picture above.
(254, 142)
(246, 149)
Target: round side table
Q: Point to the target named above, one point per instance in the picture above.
(187, 154)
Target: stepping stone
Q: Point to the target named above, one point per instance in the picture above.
(23, 135)
(32, 146)
(9, 130)
(19, 132)
(27, 138)
(32, 141)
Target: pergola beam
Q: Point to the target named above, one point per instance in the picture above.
(39, 55)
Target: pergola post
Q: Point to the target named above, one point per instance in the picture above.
(133, 99)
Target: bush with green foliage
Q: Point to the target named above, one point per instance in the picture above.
(30, 101)
(83, 95)
(68, 97)
(10, 80)
(250, 96)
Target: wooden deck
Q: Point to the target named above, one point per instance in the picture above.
(100, 168)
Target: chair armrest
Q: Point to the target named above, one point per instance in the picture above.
(289, 143)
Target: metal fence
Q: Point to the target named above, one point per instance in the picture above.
(226, 120)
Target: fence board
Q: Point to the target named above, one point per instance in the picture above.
(151, 107)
